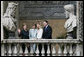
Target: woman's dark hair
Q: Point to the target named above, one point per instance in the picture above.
(46, 21)
(35, 25)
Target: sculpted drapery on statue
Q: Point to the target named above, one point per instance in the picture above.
(70, 24)
(8, 18)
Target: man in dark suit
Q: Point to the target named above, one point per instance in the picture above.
(47, 34)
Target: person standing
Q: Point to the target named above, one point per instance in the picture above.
(39, 35)
(47, 34)
(32, 35)
(24, 34)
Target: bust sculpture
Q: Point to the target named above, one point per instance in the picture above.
(8, 17)
(9, 21)
(70, 24)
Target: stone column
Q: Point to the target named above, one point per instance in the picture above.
(80, 25)
(2, 37)
(80, 20)
(77, 12)
(2, 21)
(17, 24)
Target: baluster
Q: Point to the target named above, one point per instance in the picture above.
(70, 52)
(65, 50)
(37, 51)
(26, 51)
(48, 50)
(54, 50)
(74, 49)
(15, 51)
(77, 50)
(59, 50)
(6, 49)
(3, 50)
(31, 50)
(42, 52)
(20, 51)
(9, 51)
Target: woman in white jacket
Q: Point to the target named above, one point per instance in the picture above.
(39, 31)
(33, 35)
(39, 35)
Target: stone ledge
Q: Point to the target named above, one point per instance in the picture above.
(40, 41)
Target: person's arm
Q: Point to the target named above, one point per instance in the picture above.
(29, 34)
(49, 33)
(20, 33)
(43, 34)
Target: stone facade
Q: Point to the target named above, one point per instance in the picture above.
(42, 9)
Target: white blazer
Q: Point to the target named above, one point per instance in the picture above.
(32, 33)
(39, 33)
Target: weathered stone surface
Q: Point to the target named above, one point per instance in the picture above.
(42, 9)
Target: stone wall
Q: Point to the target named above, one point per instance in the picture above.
(43, 9)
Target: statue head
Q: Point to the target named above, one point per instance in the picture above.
(9, 21)
(11, 9)
(69, 9)
(12, 4)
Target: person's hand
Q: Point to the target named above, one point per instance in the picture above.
(19, 30)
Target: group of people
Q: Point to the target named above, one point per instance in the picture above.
(36, 32)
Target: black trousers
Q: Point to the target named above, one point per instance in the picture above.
(45, 48)
(40, 48)
(23, 48)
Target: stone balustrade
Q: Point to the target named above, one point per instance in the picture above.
(59, 47)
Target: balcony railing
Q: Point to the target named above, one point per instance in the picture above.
(59, 47)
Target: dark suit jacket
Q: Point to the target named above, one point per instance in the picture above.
(47, 34)
(24, 34)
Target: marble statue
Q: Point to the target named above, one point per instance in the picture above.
(8, 17)
(70, 24)
(9, 23)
